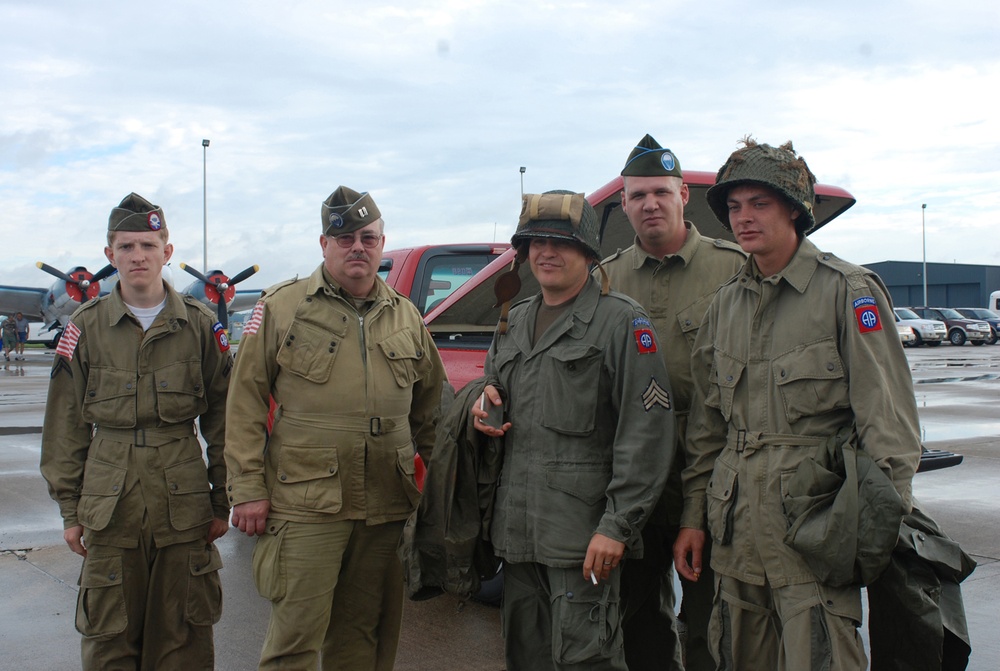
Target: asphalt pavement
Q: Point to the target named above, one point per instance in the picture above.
(957, 390)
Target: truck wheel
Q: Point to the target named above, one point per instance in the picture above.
(978, 342)
(957, 337)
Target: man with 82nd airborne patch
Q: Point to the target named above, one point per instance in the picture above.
(796, 351)
(120, 452)
(588, 437)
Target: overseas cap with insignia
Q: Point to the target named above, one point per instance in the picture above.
(558, 214)
(649, 159)
(136, 214)
(346, 210)
(778, 168)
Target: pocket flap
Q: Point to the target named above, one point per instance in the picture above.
(188, 477)
(813, 361)
(404, 456)
(205, 561)
(590, 486)
(102, 479)
(102, 572)
(303, 463)
(722, 485)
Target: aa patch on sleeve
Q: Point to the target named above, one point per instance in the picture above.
(655, 395)
(220, 337)
(866, 311)
(255, 319)
(68, 340)
(645, 340)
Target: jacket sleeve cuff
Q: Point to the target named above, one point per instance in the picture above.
(245, 488)
(617, 528)
(693, 514)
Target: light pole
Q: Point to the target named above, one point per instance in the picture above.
(522, 181)
(204, 203)
(923, 234)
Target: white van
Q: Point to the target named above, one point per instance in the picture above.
(994, 303)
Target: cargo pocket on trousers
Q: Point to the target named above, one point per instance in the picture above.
(268, 566)
(586, 619)
(204, 592)
(100, 605)
(720, 502)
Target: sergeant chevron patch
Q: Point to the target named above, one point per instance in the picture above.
(655, 395)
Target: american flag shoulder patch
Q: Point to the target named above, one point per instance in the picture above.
(256, 319)
(68, 340)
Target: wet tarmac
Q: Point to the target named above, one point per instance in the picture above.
(958, 394)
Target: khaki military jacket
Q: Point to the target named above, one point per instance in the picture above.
(592, 428)
(355, 394)
(119, 438)
(780, 364)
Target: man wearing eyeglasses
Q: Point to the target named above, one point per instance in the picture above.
(356, 382)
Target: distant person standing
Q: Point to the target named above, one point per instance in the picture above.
(673, 272)
(357, 380)
(9, 328)
(23, 328)
(133, 372)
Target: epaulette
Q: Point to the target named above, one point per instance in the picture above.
(854, 273)
(274, 288)
(613, 256)
(196, 303)
(722, 243)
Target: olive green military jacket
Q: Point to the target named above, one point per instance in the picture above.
(592, 429)
(119, 437)
(675, 292)
(781, 363)
(355, 393)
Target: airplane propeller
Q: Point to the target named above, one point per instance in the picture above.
(220, 289)
(80, 284)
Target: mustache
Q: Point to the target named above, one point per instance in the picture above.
(357, 256)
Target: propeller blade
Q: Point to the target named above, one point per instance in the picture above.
(104, 272)
(243, 275)
(55, 272)
(223, 313)
(196, 273)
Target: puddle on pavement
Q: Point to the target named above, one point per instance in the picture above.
(934, 431)
(966, 378)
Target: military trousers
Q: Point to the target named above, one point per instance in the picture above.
(805, 627)
(554, 618)
(148, 608)
(327, 583)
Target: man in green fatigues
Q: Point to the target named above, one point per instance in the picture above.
(356, 380)
(588, 439)
(795, 349)
(673, 272)
(120, 452)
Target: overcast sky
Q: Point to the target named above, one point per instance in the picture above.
(433, 106)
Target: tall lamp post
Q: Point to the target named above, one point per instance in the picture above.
(522, 180)
(923, 234)
(204, 203)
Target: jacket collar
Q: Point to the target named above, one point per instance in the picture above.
(574, 323)
(639, 256)
(797, 273)
(173, 309)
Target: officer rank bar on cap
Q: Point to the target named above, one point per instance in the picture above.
(136, 214)
(649, 159)
(347, 210)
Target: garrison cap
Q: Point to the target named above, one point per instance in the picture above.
(346, 210)
(778, 168)
(136, 214)
(558, 214)
(649, 159)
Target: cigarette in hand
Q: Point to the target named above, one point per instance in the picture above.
(593, 578)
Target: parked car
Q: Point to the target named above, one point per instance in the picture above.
(988, 316)
(907, 335)
(960, 329)
(930, 332)
(40, 334)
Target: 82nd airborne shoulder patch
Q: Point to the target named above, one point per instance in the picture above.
(866, 311)
(644, 337)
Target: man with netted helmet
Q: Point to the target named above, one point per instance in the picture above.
(673, 272)
(132, 373)
(796, 354)
(356, 380)
(588, 438)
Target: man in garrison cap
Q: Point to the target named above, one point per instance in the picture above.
(133, 371)
(356, 381)
(673, 272)
(588, 439)
(796, 366)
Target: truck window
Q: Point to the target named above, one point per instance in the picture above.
(444, 274)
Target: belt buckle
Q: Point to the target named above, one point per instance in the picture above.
(375, 426)
(139, 437)
(741, 440)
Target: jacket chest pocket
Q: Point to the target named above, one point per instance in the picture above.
(569, 383)
(404, 356)
(180, 392)
(309, 350)
(726, 374)
(811, 380)
(110, 396)
(689, 319)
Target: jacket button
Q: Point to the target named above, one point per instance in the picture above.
(197, 567)
(333, 469)
(288, 343)
(272, 529)
(230, 488)
(687, 322)
(571, 366)
(114, 488)
(163, 384)
(309, 299)
(282, 477)
(128, 385)
(782, 373)
(291, 337)
(626, 533)
(330, 350)
(729, 378)
(333, 343)
(197, 387)
(112, 576)
(91, 394)
(173, 486)
(830, 366)
(569, 595)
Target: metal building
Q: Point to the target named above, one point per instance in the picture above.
(949, 285)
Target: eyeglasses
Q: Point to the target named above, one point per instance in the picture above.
(347, 240)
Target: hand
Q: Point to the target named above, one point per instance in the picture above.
(251, 517)
(217, 529)
(492, 396)
(603, 555)
(690, 542)
(74, 539)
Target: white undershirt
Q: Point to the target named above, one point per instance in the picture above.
(147, 315)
